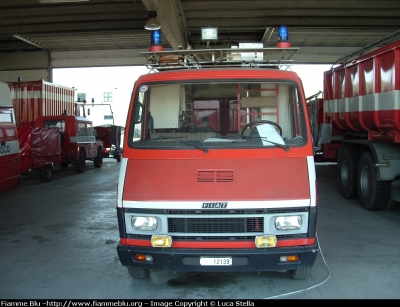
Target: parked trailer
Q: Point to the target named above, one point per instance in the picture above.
(40, 150)
(362, 103)
(9, 147)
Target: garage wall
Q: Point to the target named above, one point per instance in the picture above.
(96, 58)
(37, 65)
(27, 65)
(26, 75)
(24, 60)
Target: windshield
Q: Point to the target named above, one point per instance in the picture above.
(214, 115)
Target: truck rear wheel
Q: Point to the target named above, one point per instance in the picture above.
(347, 164)
(47, 174)
(80, 163)
(300, 274)
(138, 273)
(98, 161)
(373, 194)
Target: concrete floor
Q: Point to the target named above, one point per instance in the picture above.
(58, 241)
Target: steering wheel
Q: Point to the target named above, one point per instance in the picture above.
(277, 127)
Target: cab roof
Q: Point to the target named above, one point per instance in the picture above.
(239, 73)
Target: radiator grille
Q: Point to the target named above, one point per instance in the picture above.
(216, 225)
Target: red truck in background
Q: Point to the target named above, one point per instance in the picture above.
(361, 101)
(111, 136)
(9, 146)
(77, 139)
(235, 192)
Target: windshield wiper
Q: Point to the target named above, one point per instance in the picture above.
(162, 137)
(284, 146)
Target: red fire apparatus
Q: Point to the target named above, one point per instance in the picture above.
(9, 147)
(111, 136)
(235, 192)
(361, 102)
(50, 131)
(77, 138)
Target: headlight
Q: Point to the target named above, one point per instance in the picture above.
(144, 223)
(290, 222)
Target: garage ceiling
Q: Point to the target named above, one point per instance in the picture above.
(336, 27)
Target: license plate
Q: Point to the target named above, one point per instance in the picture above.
(215, 261)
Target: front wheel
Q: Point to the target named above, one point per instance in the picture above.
(138, 273)
(300, 274)
(80, 163)
(373, 194)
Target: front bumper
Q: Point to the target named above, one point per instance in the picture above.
(243, 260)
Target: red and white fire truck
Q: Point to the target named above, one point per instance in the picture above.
(77, 138)
(9, 147)
(361, 102)
(231, 193)
(51, 133)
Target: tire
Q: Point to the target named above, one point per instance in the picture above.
(47, 174)
(119, 158)
(348, 164)
(373, 194)
(98, 161)
(138, 273)
(300, 274)
(80, 163)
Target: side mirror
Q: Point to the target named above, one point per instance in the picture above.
(324, 136)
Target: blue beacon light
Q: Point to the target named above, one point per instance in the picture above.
(283, 37)
(155, 41)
